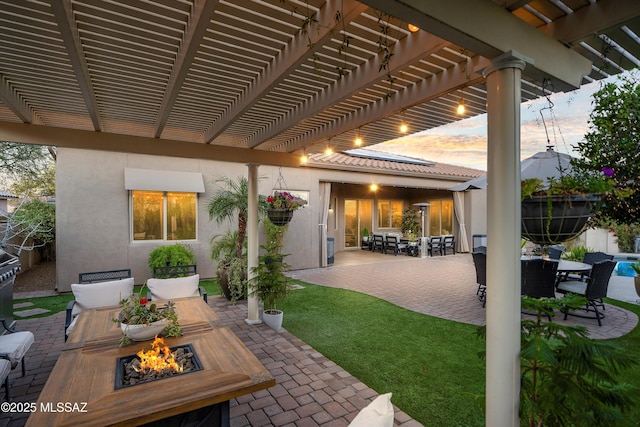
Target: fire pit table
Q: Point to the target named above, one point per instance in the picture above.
(81, 389)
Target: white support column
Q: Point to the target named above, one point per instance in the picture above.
(503, 241)
(253, 244)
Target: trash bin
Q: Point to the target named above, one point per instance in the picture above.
(479, 240)
(331, 248)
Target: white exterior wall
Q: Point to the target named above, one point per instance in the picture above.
(92, 210)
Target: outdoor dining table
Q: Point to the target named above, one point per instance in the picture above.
(565, 266)
(82, 388)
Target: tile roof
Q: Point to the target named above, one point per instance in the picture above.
(6, 195)
(406, 167)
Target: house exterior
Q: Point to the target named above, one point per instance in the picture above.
(114, 208)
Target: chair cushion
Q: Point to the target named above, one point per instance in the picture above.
(101, 294)
(573, 286)
(177, 287)
(14, 346)
(5, 368)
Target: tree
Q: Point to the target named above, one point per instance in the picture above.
(612, 146)
(28, 169)
(30, 226)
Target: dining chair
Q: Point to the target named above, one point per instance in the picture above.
(594, 289)
(435, 245)
(538, 279)
(175, 287)
(448, 243)
(392, 243)
(378, 243)
(588, 258)
(95, 295)
(480, 263)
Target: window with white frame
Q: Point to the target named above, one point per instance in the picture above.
(163, 215)
(389, 214)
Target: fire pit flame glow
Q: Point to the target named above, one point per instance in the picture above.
(158, 358)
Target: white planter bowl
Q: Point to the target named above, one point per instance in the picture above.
(144, 332)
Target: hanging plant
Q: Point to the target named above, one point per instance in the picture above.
(281, 205)
(560, 211)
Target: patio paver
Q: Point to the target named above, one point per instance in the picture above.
(311, 390)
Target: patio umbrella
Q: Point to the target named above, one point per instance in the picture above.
(543, 165)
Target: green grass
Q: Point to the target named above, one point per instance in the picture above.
(429, 364)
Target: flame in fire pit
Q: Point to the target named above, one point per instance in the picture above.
(158, 358)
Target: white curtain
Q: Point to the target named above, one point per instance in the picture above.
(325, 194)
(458, 208)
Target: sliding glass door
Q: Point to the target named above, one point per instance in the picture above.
(358, 215)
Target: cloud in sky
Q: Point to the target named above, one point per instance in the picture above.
(464, 143)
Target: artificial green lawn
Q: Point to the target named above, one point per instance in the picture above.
(429, 364)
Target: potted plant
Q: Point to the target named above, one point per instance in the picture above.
(559, 211)
(365, 234)
(141, 320)
(229, 250)
(171, 255)
(269, 283)
(410, 224)
(281, 205)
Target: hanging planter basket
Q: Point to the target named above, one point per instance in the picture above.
(279, 216)
(549, 220)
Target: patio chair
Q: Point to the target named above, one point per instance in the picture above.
(538, 279)
(588, 258)
(448, 243)
(95, 295)
(393, 243)
(166, 288)
(480, 263)
(175, 271)
(13, 348)
(555, 252)
(435, 245)
(103, 276)
(378, 243)
(594, 289)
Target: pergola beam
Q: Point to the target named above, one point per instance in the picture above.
(420, 92)
(290, 58)
(71, 39)
(409, 50)
(201, 15)
(592, 19)
(89, 140)
(489, 30)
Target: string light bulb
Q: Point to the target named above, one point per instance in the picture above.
(358, 141)
(304, 158)
(373, 187)
(328, 151)
(413, 28)
(404, 127)
(460, 110)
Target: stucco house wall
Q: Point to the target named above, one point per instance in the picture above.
(92, 212)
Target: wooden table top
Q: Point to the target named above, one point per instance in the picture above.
(85, 372)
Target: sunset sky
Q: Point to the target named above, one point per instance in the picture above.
(464, 143)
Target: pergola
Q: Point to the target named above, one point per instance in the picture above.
(266, 81)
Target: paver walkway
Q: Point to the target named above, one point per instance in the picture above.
(440, 286)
